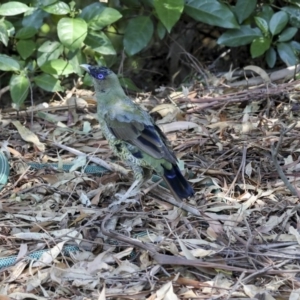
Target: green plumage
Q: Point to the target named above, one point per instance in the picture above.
(132, 135)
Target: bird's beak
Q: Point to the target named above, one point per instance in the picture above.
(85, 67)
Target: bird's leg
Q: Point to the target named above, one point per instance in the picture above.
(133, 189)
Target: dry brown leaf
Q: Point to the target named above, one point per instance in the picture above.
(29, 136)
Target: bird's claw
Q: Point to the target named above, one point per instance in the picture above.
(127, 198)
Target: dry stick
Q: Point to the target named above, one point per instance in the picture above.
(236, 286)
(176, 202)
(266, 270)
(109, 166)
(164, 259)
(4, 90)
(32, 102)
(239, 170)
(248, 95)
(274, 153)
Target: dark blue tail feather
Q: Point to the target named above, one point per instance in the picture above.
(178, 183)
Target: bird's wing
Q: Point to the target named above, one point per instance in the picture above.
(145, 137)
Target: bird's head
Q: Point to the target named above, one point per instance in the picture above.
(97, 72)
(104, 79)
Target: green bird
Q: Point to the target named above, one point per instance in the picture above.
(133, 136)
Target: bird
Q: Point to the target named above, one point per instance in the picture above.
(133, 136)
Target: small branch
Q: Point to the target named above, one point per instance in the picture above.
(274, 153)
(109, 166)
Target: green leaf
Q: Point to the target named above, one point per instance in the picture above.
(106, 17)
(26, 48)
(26, 33)
(100, 43)
(266, 13)
(161, 30)
(238, 37)
(271, 57)
(10, 28)
(287, 34)
(244, 8)
(49, 51)
(294, 14)
(19, 88)
(57, 67)
(138, 34)
(278, 22)
(8, 64)
(127, 83)
(91, 11)
(48, 83)
(76, 58)
(259, 46)
(262, 25)
(72, 32)
(211, 12)
(287, 54)
(13, 8)
(34, 19)
(57, 8)
(3, 34)
(296, 46)
(169, 11)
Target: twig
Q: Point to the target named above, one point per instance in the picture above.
(239, 170)
(164, 259)
(4, 90)
(274, 153)
(109, 166)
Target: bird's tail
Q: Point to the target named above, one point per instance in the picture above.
(177, 183)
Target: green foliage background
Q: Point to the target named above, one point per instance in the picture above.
(43, 42)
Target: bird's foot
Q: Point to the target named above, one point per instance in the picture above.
(127, 198)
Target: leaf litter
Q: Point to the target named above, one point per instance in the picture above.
(241, 239)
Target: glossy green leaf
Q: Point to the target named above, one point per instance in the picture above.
(13, 8)
(72, 32)
(266, 13)
(76, 58)
(161, 30)
(26, 33)
(8, 64)
(287, 34)
(271, 57)
(169, 11)
(128, 84)
(287, 54)
(34, 19)
(238, 37)
(244, 8)
(26, 48)
(106, 17)
(294, 15)
(259, 46)
(10, 28)
(211, 12)
(262, 24)
(57, 67)
(296, 46)
(278, 22)
(49, 51)
(19, 88)
(138, 34)
(57, 8)
(3, 34)
(91, 11)
(100, 43)
(48, 83)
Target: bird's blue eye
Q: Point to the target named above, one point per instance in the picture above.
(100, 76)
